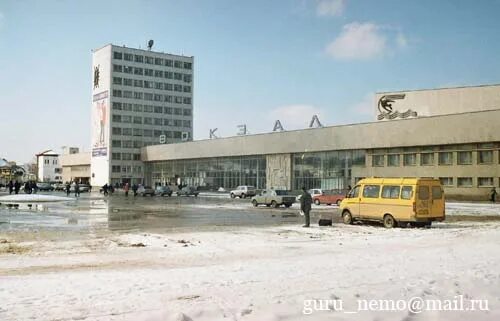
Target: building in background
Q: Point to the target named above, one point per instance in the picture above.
(75, 165)
(450, 134)
(49, 168)
(10, 171)
(139, 98)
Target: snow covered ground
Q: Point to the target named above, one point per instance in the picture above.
(249, 273)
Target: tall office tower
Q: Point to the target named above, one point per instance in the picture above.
(139, 98)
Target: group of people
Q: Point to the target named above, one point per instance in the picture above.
(108, 189)
(68, 189)
(14, 187)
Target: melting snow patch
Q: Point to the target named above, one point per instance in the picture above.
(26, 198)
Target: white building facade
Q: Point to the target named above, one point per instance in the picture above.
(139, 98)
(49, 167)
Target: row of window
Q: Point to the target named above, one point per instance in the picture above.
(152, 60)
(151, 84)
(127, 119)
(47, 162)
(126, 169)
(427, 159)
(151, 97)
(151, 109)
(467, 181)
(152, 73)
(140, 132)
(437, 148)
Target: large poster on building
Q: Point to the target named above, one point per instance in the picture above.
(100, 130)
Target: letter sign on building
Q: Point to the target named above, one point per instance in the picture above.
(315, 119)
(163, 139)
(277, 126)
(242, 129)
(212, 133)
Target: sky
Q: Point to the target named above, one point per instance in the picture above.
(255, 61)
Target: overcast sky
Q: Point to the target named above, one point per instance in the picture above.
(255, 61)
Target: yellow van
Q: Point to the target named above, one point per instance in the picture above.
(395, 201)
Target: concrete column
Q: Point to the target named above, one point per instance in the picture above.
(279, 171)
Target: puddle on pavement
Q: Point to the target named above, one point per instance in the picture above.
(118, 213)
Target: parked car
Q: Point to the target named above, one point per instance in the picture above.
(83, 188)
(146, 190)
(329, 198)
(164, 190)
(243, 191)
(188, 191)
(44, 187)
(274, 198)
(59, 187)
(313, 191)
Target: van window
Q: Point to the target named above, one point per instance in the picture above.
(371, 191)
(437, 194)
(390, 191)
(354, 192)
(406, 192)
(423, 192)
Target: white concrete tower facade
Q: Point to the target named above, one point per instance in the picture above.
(139, 98)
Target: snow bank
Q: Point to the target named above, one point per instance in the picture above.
(27, 198)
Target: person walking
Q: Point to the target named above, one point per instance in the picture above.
(11, 187)
(305, 206)
(134, 189)
(68, 188)
(105, 189)
(17, 187)
(34, 188)
(77, 189)
(125, 188)
(493, 195)
(27, 188)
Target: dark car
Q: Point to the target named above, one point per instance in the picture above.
(44, 187)
(146, 190)
(164, 190)
(188, 191)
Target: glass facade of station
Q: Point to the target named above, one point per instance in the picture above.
(326, 170)
(210, 173)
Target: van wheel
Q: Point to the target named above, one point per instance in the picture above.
(243, 196)
(317, 202)
(389, 221)
(232, 195)
(274, 204)
(347, 217)
(338, 202)
(254, 203)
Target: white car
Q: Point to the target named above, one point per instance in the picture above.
(243, 191)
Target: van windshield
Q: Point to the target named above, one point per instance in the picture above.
(281, 192)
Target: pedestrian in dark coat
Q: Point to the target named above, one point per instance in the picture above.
(105, 189)
(11, 187)
(68, 188)
(34, 188)
(77, 189)
(27, 188)
(305, 206)
(134, 189)
(493, 195)
(17, 187)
